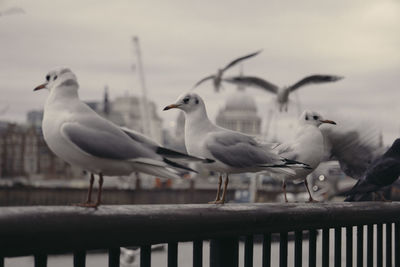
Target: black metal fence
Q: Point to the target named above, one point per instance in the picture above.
(41, 231)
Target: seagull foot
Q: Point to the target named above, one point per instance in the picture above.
(311, 200)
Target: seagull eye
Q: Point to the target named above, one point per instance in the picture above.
(47, 77)
(186, 100)
(315, 117)
(55, 77)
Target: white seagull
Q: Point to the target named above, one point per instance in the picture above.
(78, 135)
(232, 152)
(307, 147)
(282, 93)
(217, 78)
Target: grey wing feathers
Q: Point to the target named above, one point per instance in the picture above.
(254, 82)
(203, 80)
(234, 62)
(315, 79)
(287, 151)
(239, 151)
(104, 143)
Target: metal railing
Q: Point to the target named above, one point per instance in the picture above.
(41, 231)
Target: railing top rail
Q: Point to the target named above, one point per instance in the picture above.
(53, 229)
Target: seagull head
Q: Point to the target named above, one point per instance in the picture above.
(60, 79)
(313, 118)
(188, 102)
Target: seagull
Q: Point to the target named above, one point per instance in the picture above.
(282, 93)
(217, 78)
(382, 172)
(232, 152)
(307, 147)
(78, 135)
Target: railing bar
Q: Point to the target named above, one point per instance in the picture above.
(349, 246)
(298, 248)
(360, 244)
(173, 254)
(312, 248)
(338, 247)
(198, 253)
(80, 258)
(379, 245)
(145, 256)
(40, 260)
(113, 257)
(370, 245)
(1, 261)
(224, 252)
(389, 245)
(248, 251)
(325, 247)
(283, 249)
(266, 250)
(397, 244)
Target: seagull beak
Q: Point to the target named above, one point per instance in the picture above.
(171, 106)
(42, 86)
(328, 121)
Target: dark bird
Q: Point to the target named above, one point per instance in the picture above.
(382, 172)
(282, 93)
(217, 78)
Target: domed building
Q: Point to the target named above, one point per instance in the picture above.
(240, 114)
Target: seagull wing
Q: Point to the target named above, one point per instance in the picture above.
(253, 82)
(234, 62)
(314, 79)
(287, 150)
(104, 140)
(239, 151)
(203, 80)
(354, 145)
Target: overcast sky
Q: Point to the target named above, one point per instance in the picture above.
(182, 41)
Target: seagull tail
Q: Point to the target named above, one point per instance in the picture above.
(296, 164)
(172, 154)
(279, 169)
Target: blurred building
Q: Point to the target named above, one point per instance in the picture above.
(240, 114)
(34, 118)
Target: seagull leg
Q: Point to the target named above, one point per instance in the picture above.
(310, 199)
(100, 190)
(284, 190)
(218, 191)
(89, 196)
(222, 201)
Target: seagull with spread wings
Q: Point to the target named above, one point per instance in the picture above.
(282, 93)
(78, 135)
(217, 78)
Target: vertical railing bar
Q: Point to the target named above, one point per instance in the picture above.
(145, 256)
(40, 260)
(349, 246)
(1, 261)
(360, 244)
(198, 253)
(370, 245)
(338, 247)
(397, 244)
(113, 257)
(389, 245)
(283, 249)
(266, 250)
(248, 251)
(173, 254)
(80, 258)
(298, 248)
(312, 248)
(224, 252)
(379, 245)
(325, 247)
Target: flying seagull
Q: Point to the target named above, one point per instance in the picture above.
(307, 147)
(382, 172)
(217, 78)
(232, 152)
(282, 93)
(78, 135)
